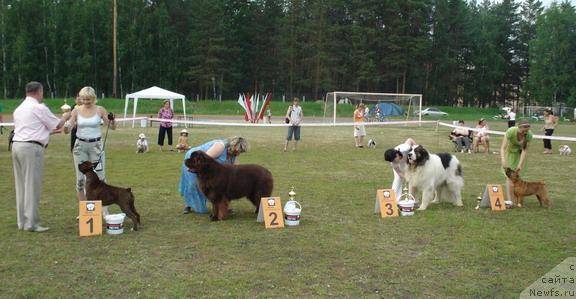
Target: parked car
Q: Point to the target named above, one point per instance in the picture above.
(431, 111)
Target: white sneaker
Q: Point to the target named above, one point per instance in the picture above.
(39, 229)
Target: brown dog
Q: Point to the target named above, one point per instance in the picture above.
(98, 190)
(522, 188)
(224, 182)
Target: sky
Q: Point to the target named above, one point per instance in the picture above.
(547, 2)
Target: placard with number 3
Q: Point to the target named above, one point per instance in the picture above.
(386, 203)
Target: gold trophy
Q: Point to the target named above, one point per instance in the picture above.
(66, 109)
(478, 200)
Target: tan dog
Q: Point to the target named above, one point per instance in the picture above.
(522, 188)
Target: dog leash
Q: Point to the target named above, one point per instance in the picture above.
(103, 143)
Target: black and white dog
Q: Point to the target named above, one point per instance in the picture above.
(436, 176)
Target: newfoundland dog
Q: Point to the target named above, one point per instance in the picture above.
(435, 175)
(224, 182)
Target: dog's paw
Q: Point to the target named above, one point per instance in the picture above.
(421, 208)
(213, 218)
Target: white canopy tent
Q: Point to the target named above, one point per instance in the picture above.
(153, 92)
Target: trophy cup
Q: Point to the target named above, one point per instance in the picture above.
(65, 108)
(478, 200)
(406, 203)
(292, 210)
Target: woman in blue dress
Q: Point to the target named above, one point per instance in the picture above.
(224, 151)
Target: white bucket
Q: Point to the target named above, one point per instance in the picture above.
(292, 211)
(406, 207)
(115, 223)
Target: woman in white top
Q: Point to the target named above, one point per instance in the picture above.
(294, 117)
(88, 119)
(481, 136)
(550, 123)
(398, 158)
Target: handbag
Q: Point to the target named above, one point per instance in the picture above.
(287, 120)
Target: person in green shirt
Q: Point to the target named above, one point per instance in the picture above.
(514, 149)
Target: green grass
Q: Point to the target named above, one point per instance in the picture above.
(341, 249)
(278, 108)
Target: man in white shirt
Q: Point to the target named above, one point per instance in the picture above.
(511, 116)
(33, 124)
(398, 158)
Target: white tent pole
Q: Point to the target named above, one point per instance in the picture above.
(134, 112)
(172, 104)
(125, 109)
(184, 106)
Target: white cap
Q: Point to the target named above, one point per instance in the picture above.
(65, 107)
(183, 131)
(141, 135)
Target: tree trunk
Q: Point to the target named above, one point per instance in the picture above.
(114, 58)
(3, 51)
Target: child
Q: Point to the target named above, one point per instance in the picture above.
(183, 145)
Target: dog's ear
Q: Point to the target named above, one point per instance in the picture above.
(421, 154)
(203, 157)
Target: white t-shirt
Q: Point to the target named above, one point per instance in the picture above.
(296, 114)
(512, 115)
(482, 131)
(404, 149)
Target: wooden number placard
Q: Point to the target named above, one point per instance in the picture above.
(493, 198)
(270, 212)
(90, 220)
(386, 203)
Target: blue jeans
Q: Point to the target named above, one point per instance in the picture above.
(293, 131)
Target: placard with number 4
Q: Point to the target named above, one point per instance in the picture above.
(493, 198)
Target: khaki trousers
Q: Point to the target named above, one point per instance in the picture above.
(28, 160)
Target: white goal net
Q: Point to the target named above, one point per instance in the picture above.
(339, 106)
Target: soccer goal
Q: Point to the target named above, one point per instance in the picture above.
(379, 106)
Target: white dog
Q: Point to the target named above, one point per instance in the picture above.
(565, 150)
(434, 175)
(142, 144)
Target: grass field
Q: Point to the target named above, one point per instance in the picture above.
(231, 107)
(341, 249)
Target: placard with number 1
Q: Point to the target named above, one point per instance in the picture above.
(90, 220)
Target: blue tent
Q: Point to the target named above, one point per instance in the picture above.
(386, 109)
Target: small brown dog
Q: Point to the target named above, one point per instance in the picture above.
(98, 190)
(522, 188)
(224, 182)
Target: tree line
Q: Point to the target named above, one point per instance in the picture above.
(452, 51)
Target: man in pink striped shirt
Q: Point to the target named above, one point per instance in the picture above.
(33, 124)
